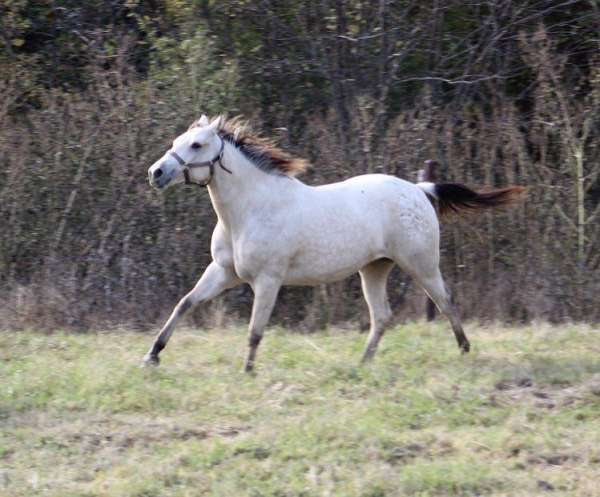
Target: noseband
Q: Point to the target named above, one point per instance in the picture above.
(210, 164)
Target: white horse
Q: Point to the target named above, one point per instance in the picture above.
(274, 230)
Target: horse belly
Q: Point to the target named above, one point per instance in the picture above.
(335, 253)
(317, 274)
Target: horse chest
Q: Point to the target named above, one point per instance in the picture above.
(250, 260)
(221, 247)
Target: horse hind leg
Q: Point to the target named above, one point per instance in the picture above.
(433, 284)
(374, 282)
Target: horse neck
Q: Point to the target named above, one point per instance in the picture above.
(237, 195)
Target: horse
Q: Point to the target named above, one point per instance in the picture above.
(275, 230)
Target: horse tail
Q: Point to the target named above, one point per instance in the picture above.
(455, 198)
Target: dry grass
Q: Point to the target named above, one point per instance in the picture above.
(517, 417)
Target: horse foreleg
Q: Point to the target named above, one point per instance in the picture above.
(265, 295)
(214, 280)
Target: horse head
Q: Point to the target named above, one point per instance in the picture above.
(191, 158)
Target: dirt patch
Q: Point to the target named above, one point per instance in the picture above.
(230, 431)
(258, 452)
(124, 439)
(404, 453)
(512, 384)
(279, 394)
(558, 459)
(544, 485)
(525, 392)
(117, 433)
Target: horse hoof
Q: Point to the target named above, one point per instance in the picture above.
(367, 358)
(150, 361)
(465, 347)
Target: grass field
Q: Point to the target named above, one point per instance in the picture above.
(519, 416)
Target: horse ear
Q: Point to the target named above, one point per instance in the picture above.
(203, 121)
(214, 126)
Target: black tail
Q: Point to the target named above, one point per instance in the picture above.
(454, 198)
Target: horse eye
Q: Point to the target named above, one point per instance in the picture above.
(196, 145)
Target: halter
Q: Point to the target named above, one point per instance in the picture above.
(210, 164)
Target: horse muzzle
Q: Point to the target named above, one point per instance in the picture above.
(158, 178)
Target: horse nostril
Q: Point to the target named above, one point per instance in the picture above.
(158, 173)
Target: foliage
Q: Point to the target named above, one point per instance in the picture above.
(93, 92)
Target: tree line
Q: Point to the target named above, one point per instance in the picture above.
(496, 91)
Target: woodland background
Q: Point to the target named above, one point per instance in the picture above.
(498, 92)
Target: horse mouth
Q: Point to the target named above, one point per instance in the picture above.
(160, 183)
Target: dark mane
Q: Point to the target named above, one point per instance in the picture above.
(262, 152)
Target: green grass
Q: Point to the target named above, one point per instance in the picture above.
(519, 416)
